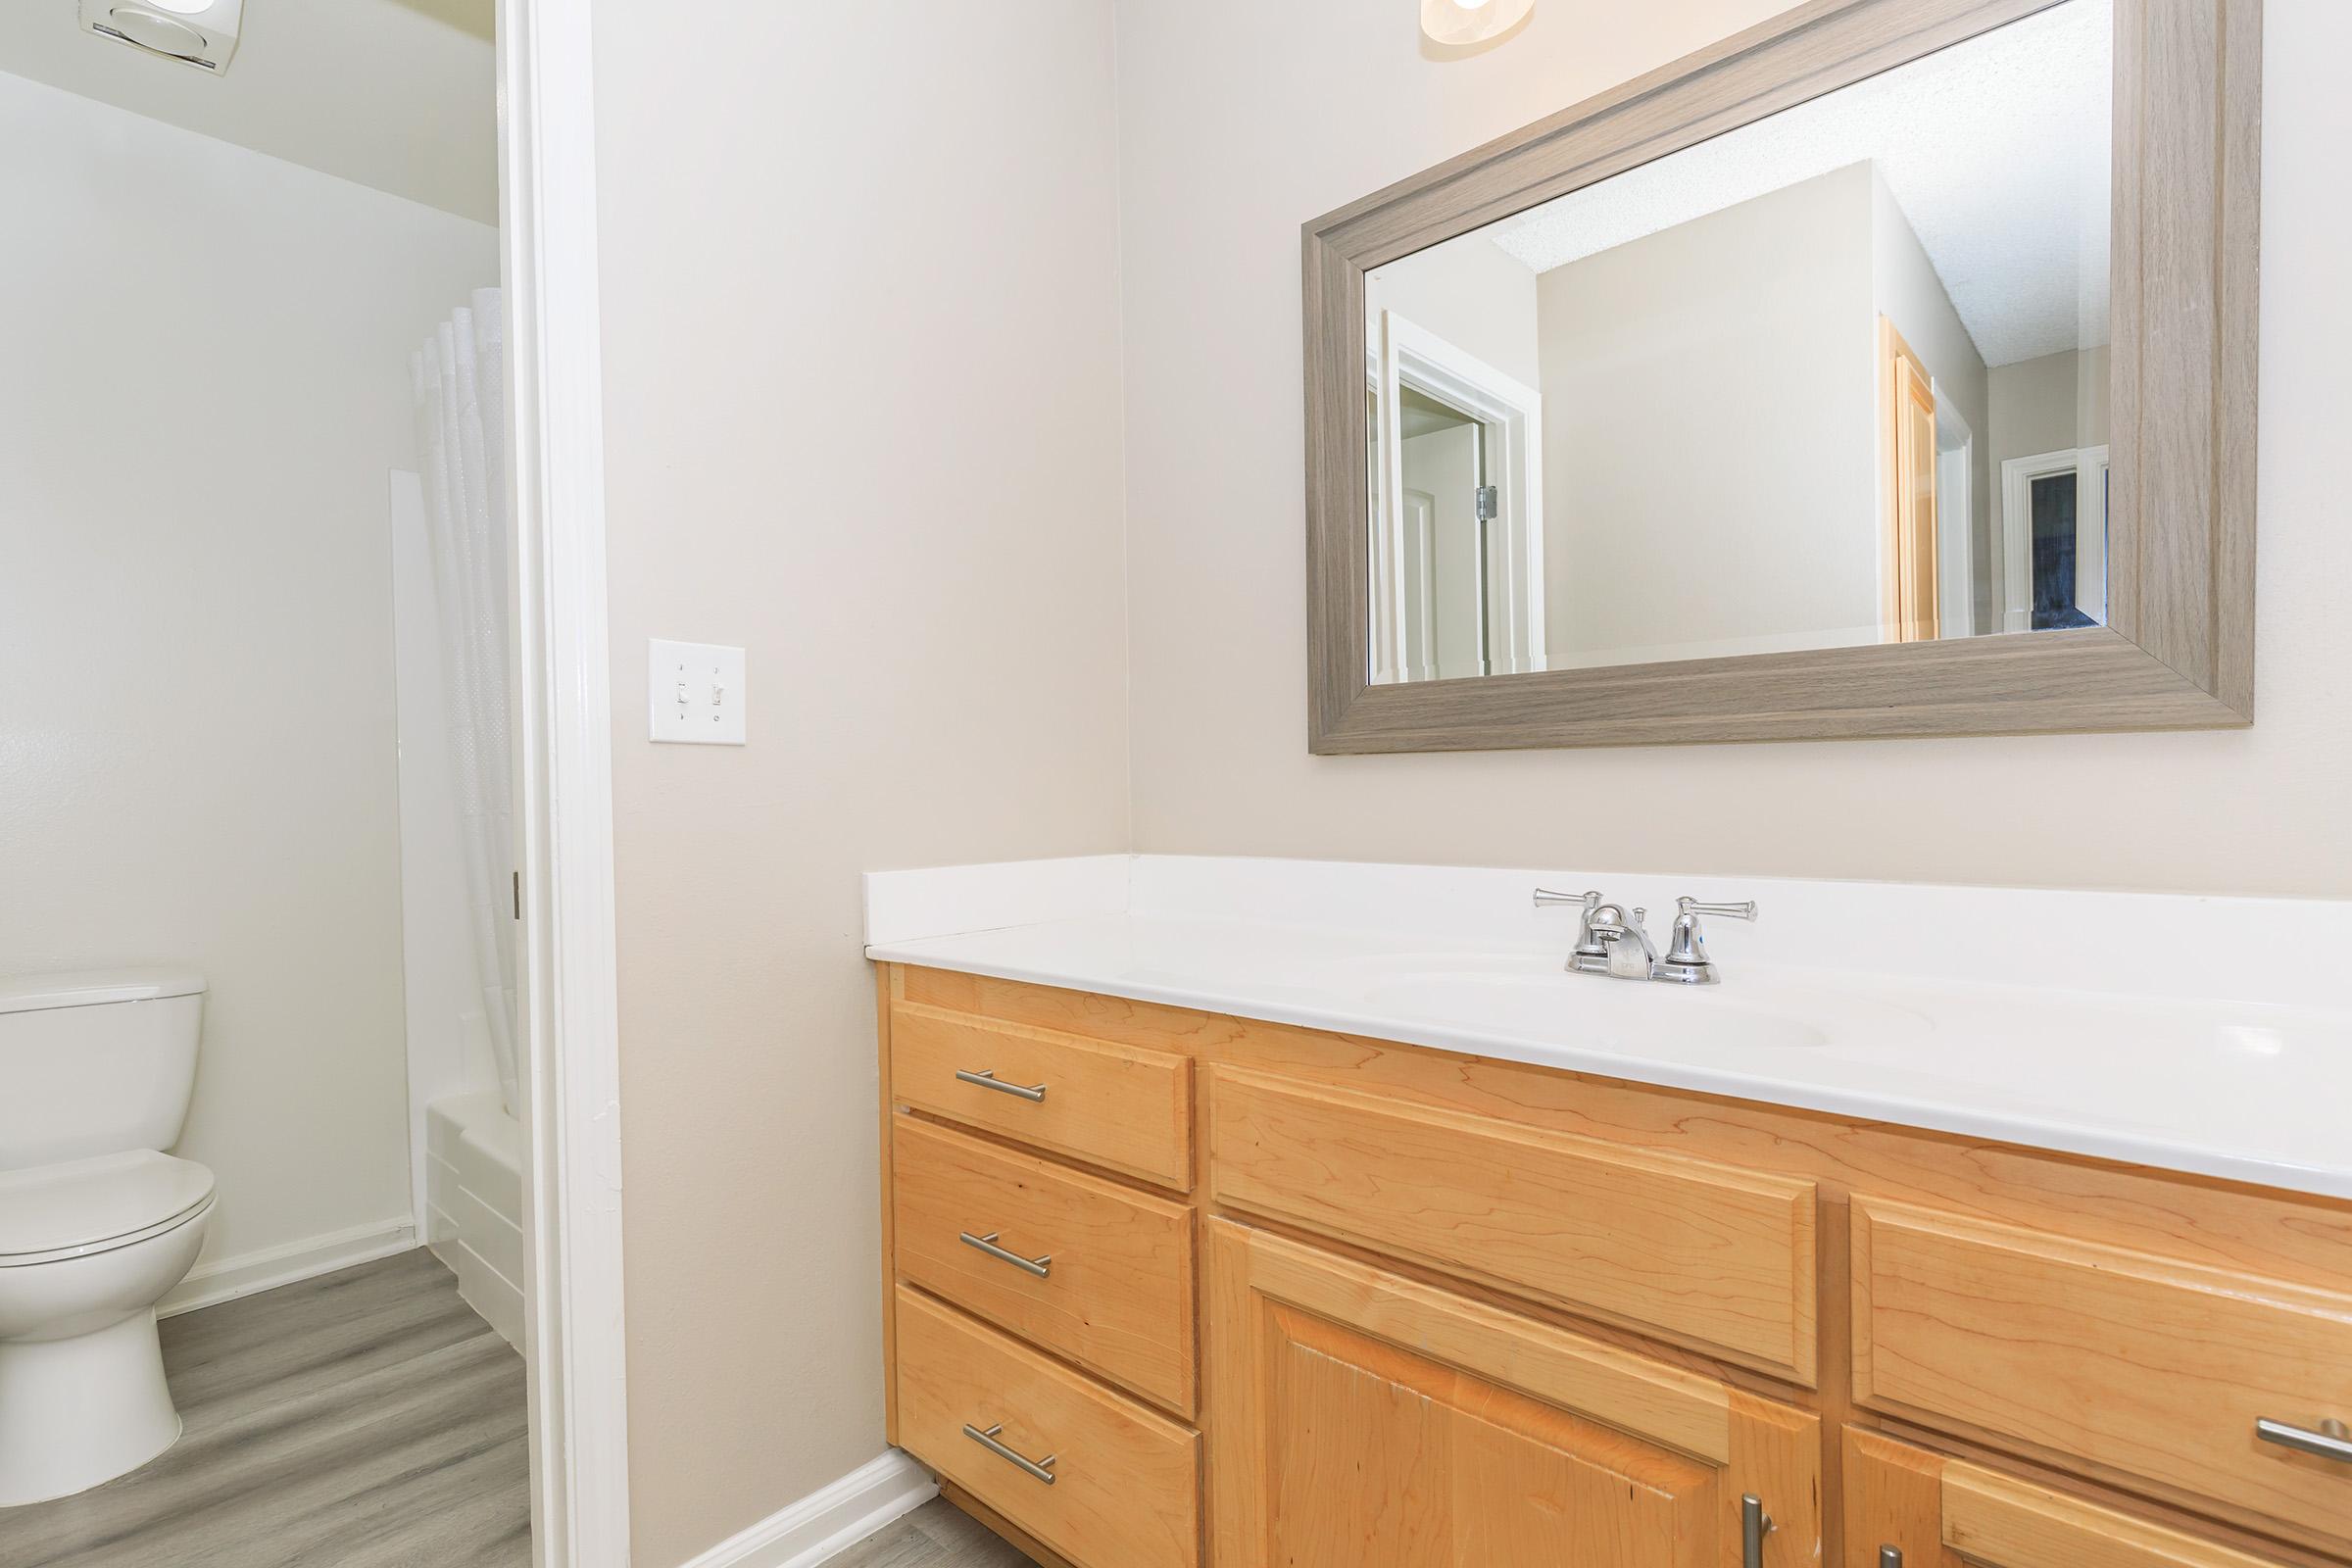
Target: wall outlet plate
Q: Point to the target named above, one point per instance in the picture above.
(696, 693)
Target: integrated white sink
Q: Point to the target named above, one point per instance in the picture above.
(1539, 999)
(1517, 1004)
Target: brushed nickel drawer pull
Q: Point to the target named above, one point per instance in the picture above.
(1890, 1557)
(2330, 1441)
(987, 1078)
(1040, 1469)
(1042, 1267)
(1754, 1525)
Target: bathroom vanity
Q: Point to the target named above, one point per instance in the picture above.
(1182, 1284)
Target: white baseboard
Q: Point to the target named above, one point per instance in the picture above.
(830, 1519)
(228, 1278)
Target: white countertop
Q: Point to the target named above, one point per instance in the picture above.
(1924, 1027)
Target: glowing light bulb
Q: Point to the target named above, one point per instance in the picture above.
(1461, 22)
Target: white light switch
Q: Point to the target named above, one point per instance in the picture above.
(697, 693)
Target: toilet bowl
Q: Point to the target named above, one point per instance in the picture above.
(97, 1223)
(87, 1249)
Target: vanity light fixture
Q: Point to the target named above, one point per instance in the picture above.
(1460, 22)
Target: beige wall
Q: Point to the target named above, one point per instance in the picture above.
(2048, 403)
(206, 382)
(862, 396)
(1239, 120)
(1709, 434)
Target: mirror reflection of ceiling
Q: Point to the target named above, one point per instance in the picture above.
(2023, 258)
(400, 95)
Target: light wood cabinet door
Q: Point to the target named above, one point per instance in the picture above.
(1932, 1512)
(1358, 1419)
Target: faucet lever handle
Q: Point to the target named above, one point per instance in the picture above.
(1746, 910)
(1544, 896)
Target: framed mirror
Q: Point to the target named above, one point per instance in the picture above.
(1885, 369)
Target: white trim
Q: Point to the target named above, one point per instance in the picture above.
(829, 1519)
(570, 1029)
(1414, 356)
(2089, 466)
(249, 1273)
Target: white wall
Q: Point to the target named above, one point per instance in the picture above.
(862, 390)
(1710, 434)
(1240, 120)
(206, 382)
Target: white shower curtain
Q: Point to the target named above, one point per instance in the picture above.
(459, 381)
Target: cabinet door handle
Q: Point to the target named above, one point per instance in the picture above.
(987, 1078)
(2330, 1441)
(1754, 1525)
(1040, 1469)
(1890, 1557)
(1042, 1267)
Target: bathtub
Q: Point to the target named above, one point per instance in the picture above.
(474, 1203)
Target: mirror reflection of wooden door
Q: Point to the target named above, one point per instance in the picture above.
(1364, 1420)
(1910, 610)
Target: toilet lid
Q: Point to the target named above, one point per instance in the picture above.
(91, 1204)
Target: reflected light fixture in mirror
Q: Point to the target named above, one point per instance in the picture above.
(1460, 22)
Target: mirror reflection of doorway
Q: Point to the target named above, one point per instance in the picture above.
(1443, 456)
(1456, 485)
(2054, 545)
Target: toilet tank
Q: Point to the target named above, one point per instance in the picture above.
(95, 1064)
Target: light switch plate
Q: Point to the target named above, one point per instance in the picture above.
(696, 692)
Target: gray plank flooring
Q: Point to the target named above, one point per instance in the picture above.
(366, 1419)
(938, 1534)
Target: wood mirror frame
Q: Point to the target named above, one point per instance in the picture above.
(2177, 652)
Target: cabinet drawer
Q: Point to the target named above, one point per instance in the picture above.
(1125, 1486)
(1117, 1106)
(1117, 1297)
(1945, 1513)
(1715, 1257)
(2152, 1369)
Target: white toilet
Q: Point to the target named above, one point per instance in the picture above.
(96, 1221)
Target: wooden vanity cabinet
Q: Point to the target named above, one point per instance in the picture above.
(1367, 1420)
(1263, 1297)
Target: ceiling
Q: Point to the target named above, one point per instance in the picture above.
(1997, 150)
(397, 94)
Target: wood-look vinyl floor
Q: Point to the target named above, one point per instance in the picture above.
(365, 1419)
(938, 1534)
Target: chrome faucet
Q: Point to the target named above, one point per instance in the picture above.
(1610, 940)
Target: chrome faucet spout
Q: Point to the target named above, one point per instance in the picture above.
(1612, 942)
